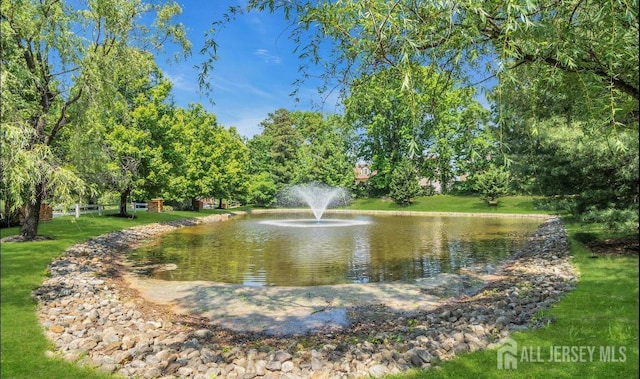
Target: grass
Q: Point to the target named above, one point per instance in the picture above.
(449, 203)
(602, 311)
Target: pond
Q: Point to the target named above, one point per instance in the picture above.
(257, 250)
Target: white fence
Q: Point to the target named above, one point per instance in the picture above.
(139, 206)
(79, 209)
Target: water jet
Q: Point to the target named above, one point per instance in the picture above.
(317, 196)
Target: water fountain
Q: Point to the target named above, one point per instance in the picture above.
(318, 197)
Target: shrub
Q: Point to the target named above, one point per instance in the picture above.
(492, 183)
(404, 185)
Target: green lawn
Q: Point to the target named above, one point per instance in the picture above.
(602, 311)
(448, 203)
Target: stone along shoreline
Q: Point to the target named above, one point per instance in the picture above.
(96, 319)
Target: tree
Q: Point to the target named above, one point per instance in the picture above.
(214, 159)
(598, 41)
(198, 176)
(563, 143)
(284, 142)
(404, 186)
(592, 177)
(492, 183)
(437, 126)
(231, 157)
(301, 147)
(262, 191)
(323, 155)
(54, 55)
(580, 50)
(132, 149)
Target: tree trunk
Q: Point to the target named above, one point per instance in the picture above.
(220, 204)
(124, 195)
(194, 204)
(29, 228)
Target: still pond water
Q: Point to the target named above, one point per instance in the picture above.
(250, 250)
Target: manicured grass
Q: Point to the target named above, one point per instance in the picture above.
(448, 203)
(602, 311)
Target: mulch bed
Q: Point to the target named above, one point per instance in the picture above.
(20, 238)
(615, 247)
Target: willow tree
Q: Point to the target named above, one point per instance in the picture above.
(472, 40)
(55, 53)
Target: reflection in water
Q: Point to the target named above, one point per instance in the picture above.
(384, 248)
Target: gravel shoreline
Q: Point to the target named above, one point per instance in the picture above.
(96, 319)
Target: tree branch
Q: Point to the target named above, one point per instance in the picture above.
(62, 119)
(619, 84)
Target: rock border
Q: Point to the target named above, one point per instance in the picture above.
(94, 319)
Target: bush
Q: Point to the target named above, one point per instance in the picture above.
(404, 185)
(492, 183)
(617, 220)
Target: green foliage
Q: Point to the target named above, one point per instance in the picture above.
(284, 142)
(134, 155)
(323, 155)
(24, 169)
(433, 123)
(404, 186)
(57, 58)
(356, 38)
(619, 220)
(575, 60)
(214, 159)
(587, 174)
(231, 159)
(301, 147)
(262, 190)
(492, 183)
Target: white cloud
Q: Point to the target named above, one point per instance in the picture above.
(267, 57)
(230, 86)
(181, 82)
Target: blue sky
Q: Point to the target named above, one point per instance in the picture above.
(255, 71)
